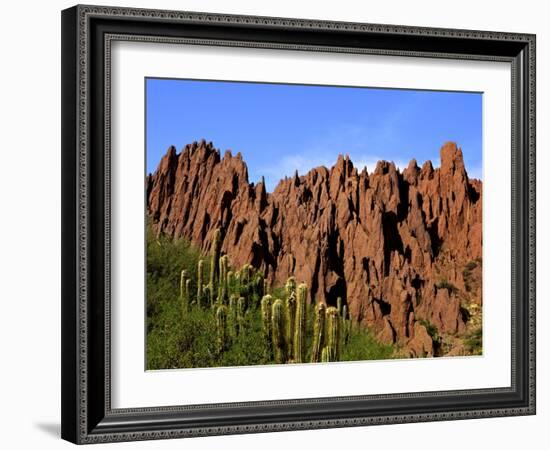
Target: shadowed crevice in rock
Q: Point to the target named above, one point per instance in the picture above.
(392, 239)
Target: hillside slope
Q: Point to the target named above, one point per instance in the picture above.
(402, 249)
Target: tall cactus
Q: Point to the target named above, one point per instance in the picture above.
(222, 281)
(230, 283)
(187, 293)
(346, 325)
(246, 273)
(266, 287)
(339, 305)
(258, 285)
(290, 322)
(237, 282)
(300, 329)
(278, 329)
(207, 294)
(224, 264)
(233, 322)
(221, 324)
(318, 332)
(290, 286)
(325, 355)
(241, 311)
(333, 334)
(183, 278)
(244, 281)
(200, 272)
(266, 318)
(215, 250)
(221, 298)
(184, 298)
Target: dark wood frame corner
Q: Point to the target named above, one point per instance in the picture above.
(87, 31)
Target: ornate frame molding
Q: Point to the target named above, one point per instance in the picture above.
(83, 422)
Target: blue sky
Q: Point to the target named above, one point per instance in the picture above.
(281, 128)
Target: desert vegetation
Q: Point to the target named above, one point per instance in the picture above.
(202, 312)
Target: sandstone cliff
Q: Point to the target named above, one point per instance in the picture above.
(401, 248)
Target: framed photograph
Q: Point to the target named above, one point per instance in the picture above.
(279, 224)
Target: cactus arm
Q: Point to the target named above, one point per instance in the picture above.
(183, 277)
(300, 328)
(266, 319)
(290, 322)
(325, 355)
(221, 325)
(199, 282)
(318, 332)
(187, 297)
(290, 286)
(241, 311)
(346, 325)
(278, 332)
(333, 334)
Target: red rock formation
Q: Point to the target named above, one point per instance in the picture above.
(392, 245)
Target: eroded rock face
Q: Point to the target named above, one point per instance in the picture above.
(421, 343)
(392, 245)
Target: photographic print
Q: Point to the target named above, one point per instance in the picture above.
(290, 198)
(294, 223)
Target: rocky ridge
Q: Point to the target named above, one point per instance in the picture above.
(402, 249)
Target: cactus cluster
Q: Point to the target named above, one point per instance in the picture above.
(285, 327)
(231, 294)
(228, 293)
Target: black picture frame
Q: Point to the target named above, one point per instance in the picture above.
(87, 416)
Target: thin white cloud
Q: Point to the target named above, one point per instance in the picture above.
(303, 163)
(370, 162)
(289, 164)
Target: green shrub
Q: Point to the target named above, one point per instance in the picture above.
(474, 342)
(432, 330)
(445, 284)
